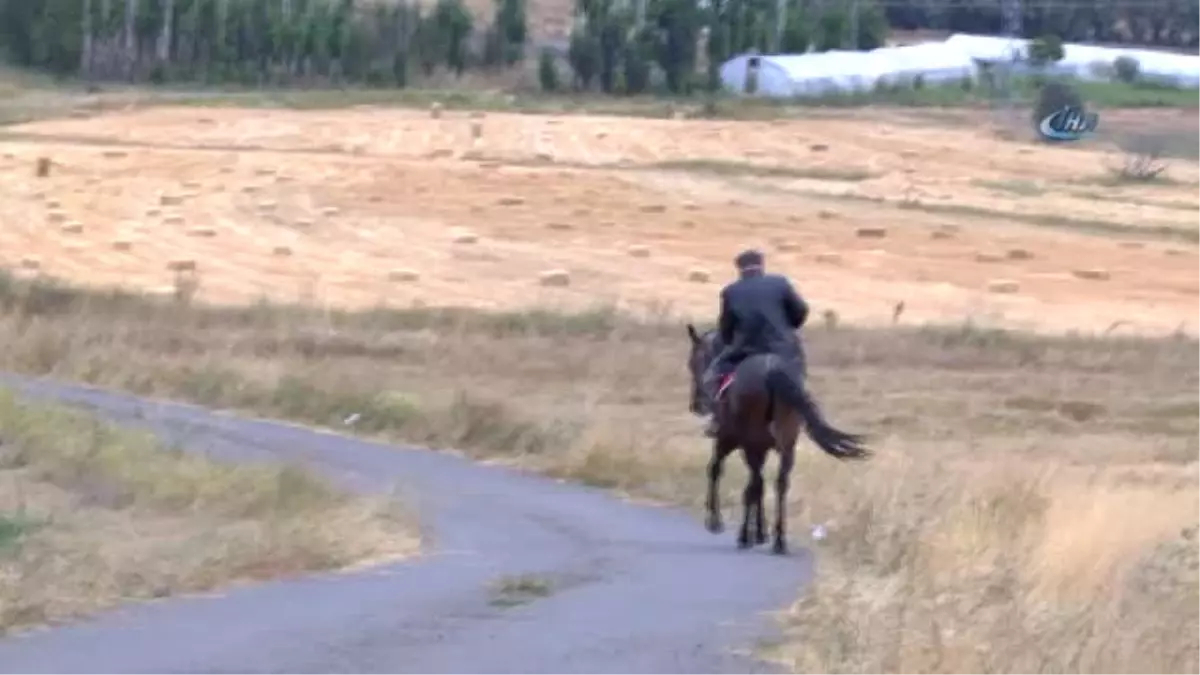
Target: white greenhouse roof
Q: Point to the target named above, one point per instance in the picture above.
(956, 58)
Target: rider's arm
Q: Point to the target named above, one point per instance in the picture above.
(794, 305)
(727, 321)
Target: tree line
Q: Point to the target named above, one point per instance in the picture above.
(1151, 23)
(615, 46)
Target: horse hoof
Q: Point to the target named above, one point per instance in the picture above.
(743, 542)
(779, 548)
(715, 526)
(760, 539)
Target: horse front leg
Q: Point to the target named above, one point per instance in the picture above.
(720, 451)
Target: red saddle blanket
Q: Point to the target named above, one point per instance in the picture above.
(725, 382)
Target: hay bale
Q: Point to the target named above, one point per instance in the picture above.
(181, 265)
(435, 110)
(559, 226)
(786, 246)
(250, 189)
(56, 217)
(1091, 274)
(871, 232)
(1005, 286)
(191, 185)
(827, 214)
(1131, 244)
(173, 219)
(1174, 252)
(654, 208)
(818, 147)
(1019, 254)
(828, 258)
(330, 211)
(267, 205)
(510, 201)
(153, 213)
(53, 204)
(281, 251)
(698, 275)
(122, 244)
(639, 251)
(465, 238)
(941, 234)
(170, 200)
(31, 263)
(555, 278)
(544, 157)
(43, 167)
(72, 227)
(264, 171)
(201, 232)
(404, 275)
(476, 130)
(986, 257)
(304, 223)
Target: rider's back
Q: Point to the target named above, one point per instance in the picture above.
(766, 311)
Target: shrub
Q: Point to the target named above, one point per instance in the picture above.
(1045, 50)
(1126, 68)
(1054, 96)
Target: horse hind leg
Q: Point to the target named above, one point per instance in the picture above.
(752, 496)
(787, 458)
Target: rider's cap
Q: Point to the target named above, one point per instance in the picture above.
(748, 258)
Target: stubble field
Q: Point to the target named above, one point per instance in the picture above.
(1033, 503)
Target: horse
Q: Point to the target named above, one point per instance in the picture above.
(762, 408)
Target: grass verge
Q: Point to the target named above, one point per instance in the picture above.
(92, 515)
(1033, 504)
(28, 96)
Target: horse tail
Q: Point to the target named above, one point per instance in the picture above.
(833, 441)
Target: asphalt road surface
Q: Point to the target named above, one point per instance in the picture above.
(634, 589)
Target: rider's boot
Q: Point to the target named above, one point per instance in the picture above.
(712, 427)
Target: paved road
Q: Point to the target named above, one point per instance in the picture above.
(639, 589)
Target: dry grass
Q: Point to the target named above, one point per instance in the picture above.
(92, 515)
(1033, 506)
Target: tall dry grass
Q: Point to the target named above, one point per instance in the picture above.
(1032, 507)
(92, 515)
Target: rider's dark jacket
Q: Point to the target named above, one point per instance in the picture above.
(759, 315)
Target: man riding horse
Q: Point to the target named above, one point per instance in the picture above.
(759, 314)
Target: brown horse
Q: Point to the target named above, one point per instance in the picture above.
(762, 408)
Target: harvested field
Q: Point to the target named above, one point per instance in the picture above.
(1032, 494)
(326, 206)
